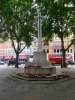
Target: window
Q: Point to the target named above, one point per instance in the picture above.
(68, 50)
(54, 50)
(71, 50)
(57, 50)
(43, 50)
(47, 50)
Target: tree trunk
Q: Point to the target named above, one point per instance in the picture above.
(63, 54)
(17, 63)
(63, 59)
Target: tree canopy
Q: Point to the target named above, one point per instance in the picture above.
(17, 16)
(60, 20)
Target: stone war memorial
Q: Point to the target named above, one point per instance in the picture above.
(40, 68)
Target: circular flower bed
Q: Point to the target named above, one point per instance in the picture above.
(37, 75)
(33, 65)
(34, 75)
(58, 77)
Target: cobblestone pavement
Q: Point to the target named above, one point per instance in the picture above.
(26, 90)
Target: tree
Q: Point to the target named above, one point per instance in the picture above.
(60, 20)
(18, 20)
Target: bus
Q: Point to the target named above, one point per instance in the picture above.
(57, 58)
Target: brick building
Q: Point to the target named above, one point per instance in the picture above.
(54, 47)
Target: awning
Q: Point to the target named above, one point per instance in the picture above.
(7, 57)
(1, 57)
(23, 57)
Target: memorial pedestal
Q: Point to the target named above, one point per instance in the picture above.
(40, 65)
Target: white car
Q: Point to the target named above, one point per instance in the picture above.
(2, 62)
(30, 58)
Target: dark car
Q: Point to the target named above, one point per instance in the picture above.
(22, 62)
(71, 62)
(12, 62)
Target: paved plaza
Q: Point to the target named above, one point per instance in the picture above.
(27, 90)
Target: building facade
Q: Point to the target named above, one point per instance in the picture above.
(54, 47)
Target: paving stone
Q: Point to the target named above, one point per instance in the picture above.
(27, 90)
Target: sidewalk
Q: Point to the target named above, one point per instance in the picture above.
(27, 90)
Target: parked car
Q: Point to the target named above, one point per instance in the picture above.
(12, 62)
(21, 61)
(30, 58)
(71, 62)
(2, 62)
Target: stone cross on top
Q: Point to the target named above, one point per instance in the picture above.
(39, 32)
